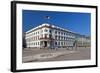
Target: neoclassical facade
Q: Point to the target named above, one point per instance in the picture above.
(50, 36)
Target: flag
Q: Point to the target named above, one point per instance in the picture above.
(47, 17)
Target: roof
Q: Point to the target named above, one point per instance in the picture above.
(46, 24)
(53, 26)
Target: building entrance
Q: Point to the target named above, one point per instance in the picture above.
(45, 43)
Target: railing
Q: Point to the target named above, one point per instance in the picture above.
(47, 38)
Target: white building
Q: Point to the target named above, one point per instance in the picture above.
(50, 36)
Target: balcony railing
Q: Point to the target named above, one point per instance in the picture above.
(46, 38)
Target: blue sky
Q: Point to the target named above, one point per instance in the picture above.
(76, 22)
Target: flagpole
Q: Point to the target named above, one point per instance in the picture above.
(47, 17)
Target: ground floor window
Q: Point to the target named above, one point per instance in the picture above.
(55, 43)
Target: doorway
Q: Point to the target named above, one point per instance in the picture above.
(45, 43)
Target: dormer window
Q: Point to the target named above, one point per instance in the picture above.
(46, 30)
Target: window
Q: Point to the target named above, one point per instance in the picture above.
(38, 32)
(50, 36)
(62, 33)
(59, 37)
(45, 30)
(33, 38)
(66, 33)
(64, 43)
(55, 43)
(58, 43)
(45, 35)
(38, 37)
(55, 37)
(59, 32)
(41, 31)
(61, 43)
(42, 36)
(49, 31)
(64, 38)
(55, 32)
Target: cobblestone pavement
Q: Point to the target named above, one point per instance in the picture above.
(44, 55)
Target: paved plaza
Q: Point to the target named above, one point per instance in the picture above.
(44, 55)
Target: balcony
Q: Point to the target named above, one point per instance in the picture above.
(46, 38)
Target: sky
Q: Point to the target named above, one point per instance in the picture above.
(74, 21)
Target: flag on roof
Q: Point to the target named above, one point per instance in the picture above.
(47, 17)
